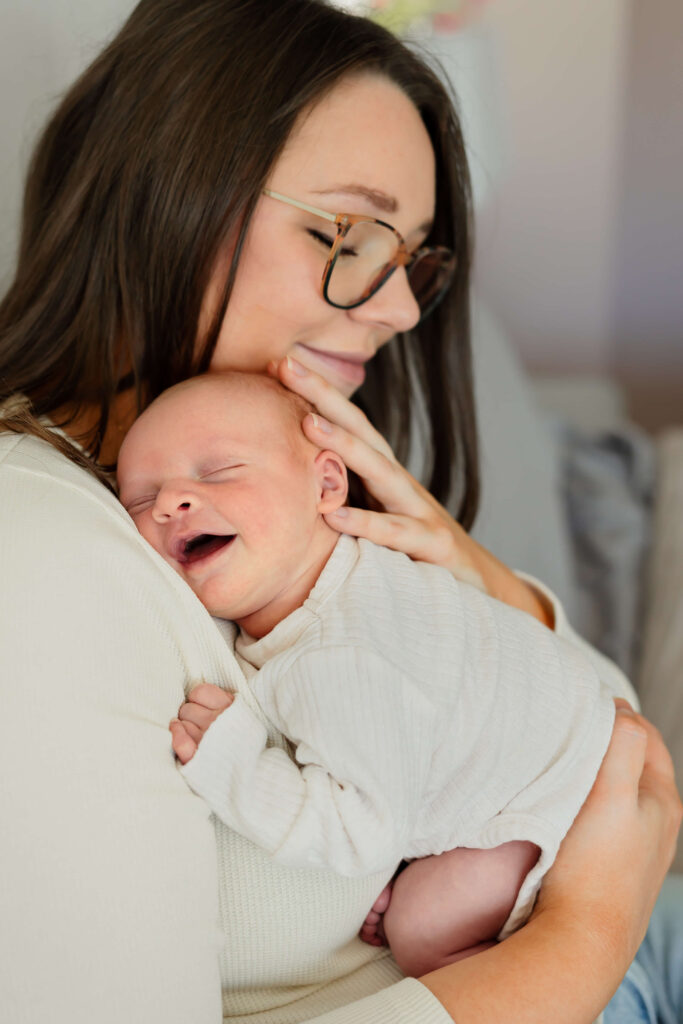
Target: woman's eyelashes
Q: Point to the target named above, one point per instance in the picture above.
(328, 242)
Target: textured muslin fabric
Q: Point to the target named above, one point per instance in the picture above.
(422, 715)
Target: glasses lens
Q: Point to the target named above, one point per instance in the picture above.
(366, 259)
(429, 276)
(366, 256)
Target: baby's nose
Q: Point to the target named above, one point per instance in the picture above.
(173, 500)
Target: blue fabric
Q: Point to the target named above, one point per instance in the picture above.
(652, 991)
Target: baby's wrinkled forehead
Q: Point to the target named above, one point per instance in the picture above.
(216, 403)
(248, 394)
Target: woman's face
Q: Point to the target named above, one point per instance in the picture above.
(362, 149)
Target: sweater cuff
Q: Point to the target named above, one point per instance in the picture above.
(405, 1002)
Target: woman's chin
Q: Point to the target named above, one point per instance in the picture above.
(344, 374)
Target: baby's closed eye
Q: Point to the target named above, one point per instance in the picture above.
(138, 505)
(221, 473)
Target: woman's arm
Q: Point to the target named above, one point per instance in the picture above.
(596, 901)
(592, 913)
(412, 520)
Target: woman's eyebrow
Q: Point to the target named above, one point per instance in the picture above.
(381, 200)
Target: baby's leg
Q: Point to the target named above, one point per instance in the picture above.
(448, 907)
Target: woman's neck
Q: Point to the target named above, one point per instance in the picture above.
(122, 413)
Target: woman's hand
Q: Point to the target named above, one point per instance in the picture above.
(566, 963)
(612, 862)
(409, 518)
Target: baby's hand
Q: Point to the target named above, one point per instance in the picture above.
(203, 705)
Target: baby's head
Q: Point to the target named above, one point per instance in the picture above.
(219, 477)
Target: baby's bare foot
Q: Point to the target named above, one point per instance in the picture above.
(372, 930)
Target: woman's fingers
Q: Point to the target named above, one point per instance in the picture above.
(386, 480)
(331, 404)
(624, 760)
(423, 540)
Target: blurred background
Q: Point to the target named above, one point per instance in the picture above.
(574, 114)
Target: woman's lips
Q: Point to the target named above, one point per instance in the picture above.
(349, 366)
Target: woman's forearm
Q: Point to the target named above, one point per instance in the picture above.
(554, 968)
(595, 902)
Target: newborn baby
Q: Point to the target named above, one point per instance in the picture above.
(427, 722)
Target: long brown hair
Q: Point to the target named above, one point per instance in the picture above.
(155, 157)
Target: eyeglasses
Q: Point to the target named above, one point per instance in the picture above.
(364, 254)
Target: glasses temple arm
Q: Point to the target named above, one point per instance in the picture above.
(300, 205)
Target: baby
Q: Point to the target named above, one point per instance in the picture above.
(426, 721)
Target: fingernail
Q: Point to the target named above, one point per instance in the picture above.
(323, 425)
(341, 513)
(296, 367)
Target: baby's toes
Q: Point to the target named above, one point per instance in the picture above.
(383, 900)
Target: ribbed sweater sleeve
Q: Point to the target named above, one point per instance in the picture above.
(407, 1002)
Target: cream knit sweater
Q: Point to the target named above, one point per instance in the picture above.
(113, 909)
(109, 873)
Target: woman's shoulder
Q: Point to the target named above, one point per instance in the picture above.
(68, 543)
(30, 466)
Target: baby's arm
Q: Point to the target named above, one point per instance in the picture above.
(349, 798)
(202, 707)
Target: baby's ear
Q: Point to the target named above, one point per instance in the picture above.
(333, 485)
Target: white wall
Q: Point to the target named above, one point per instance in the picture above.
(576, 118)
(43, 46)
(648, 303)
(547, 238)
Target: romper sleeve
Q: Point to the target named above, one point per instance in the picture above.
(350, 798)
(609, 674)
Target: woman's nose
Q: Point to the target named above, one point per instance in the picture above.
(393, 305)
(174, 499)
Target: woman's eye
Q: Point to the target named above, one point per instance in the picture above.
(319, 236)
(322, 238)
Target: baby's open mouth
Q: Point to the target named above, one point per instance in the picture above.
(201, 546)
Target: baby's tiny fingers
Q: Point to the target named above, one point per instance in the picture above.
(193, 731)
(183, 746)
(197, 715)
(209, 696)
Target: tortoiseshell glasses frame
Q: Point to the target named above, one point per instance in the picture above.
(436, 263)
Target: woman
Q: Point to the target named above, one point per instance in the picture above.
(179, 212)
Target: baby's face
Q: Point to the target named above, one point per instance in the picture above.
(222, 482)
